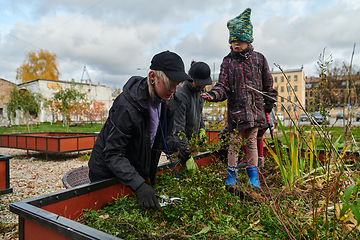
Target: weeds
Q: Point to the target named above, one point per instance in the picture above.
(325, 177)
(207, 211)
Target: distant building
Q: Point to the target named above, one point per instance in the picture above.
(312, 83)
(48, 88)
(115, 94)
(291, 88)
(337, 91)
(6, 88)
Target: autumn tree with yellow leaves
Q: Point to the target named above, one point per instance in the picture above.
(38, 65)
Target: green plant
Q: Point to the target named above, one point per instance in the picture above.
(68, 100)
(290, 158)
(207, 211)
(323, 180)
(25, 101)
(348, 210)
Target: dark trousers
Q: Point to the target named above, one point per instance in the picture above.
(95, 177)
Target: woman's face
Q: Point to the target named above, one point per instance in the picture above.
(239, 46)
(162, 90)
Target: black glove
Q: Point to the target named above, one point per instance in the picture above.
(146, 197)
(268, 108)
(184, 155)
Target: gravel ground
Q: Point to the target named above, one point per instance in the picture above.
(32, 175)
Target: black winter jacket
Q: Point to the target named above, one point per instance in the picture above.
(123, 149)
(188, 117)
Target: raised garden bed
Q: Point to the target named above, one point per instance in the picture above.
(212, 136)
(50, 142)
(53, 216)
(5, 174)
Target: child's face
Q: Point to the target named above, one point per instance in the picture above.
(162, 90)
(239, 46)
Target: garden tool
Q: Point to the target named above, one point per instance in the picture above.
(165, 201)
(269, 125)
(253, 176)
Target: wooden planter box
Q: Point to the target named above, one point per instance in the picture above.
(212, 136)
(52, 216)
(5, 174)
(51, 142)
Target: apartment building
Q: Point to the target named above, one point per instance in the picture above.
(291, 88)
(335, 93)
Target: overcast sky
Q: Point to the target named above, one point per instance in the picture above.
(116, 39)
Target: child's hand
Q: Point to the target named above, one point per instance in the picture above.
(206, 97)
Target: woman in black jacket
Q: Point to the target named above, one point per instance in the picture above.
(130, 143)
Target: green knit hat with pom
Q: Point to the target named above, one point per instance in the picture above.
(241, 28)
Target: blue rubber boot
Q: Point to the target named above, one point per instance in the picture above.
(231, 176)
(253, 176)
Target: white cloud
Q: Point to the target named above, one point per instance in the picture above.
(114, 38)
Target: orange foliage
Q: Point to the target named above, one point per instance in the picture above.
(76, 109)
(96, 110)
(80, 109)
(40, 65)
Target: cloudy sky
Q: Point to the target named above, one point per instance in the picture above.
(116, 39)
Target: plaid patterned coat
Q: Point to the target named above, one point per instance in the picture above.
(240, 74)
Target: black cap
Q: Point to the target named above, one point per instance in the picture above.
(200, 73)
(171, 64)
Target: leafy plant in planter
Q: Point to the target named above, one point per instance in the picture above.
(197, 145)
(207, 211)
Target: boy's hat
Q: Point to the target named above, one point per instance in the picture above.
(240, 27)
(171, 64)
(200, 73)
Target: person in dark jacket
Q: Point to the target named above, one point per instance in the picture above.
(140, 120)
(246, 82)
(188, 117)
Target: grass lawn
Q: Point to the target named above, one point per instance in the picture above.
(55, 127)
(334, 132)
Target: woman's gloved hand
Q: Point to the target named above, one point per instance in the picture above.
(146, 197)
(191, 165)
(268, 107)
(186, 158)
(202, 133)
